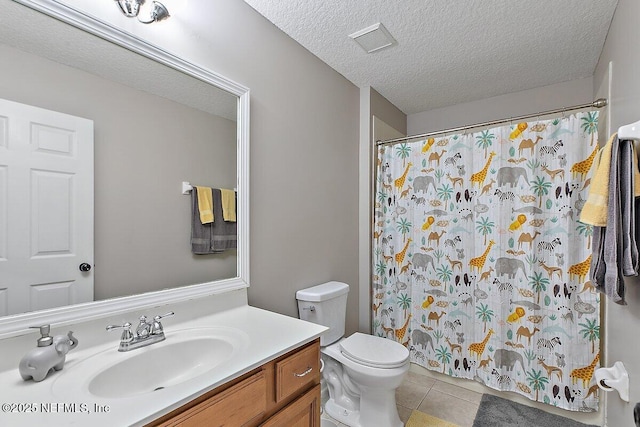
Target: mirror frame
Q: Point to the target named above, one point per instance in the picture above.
(19, 324)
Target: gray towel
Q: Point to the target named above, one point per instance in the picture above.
(215, 237)
(615, 254)
(627, 207)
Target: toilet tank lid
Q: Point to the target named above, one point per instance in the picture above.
(323, 292)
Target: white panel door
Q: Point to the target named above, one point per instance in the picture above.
(46, 208)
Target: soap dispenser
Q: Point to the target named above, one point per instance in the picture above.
(49, 355)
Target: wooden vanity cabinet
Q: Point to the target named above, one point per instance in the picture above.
(283, 392)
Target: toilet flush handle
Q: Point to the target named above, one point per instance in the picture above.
(311, 308)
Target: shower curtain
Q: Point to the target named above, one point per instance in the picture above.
(480, 263)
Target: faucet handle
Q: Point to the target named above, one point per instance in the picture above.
(127, 335)
(171, 313)
(156, 328)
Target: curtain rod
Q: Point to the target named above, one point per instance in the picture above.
(598, 103)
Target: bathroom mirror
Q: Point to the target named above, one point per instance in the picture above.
(138, 179)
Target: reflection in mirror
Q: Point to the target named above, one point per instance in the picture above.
(153, 128)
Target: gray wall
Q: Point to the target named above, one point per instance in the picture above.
(622, 322)
(385, 110)
(511, 105)
(145, 146)
(304, 151)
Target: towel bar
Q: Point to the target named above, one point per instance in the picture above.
(187, 187)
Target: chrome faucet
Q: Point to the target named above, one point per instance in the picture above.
(146, 333)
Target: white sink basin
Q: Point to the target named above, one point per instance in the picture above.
(161, 367)
(185, 355)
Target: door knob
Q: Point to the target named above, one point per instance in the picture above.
(85, 267)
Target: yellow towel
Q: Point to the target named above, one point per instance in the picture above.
(594, 211)
(205, 204)
(228, 205)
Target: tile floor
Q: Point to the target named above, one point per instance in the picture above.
(437, 398)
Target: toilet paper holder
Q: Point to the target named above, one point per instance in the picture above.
(614, 378)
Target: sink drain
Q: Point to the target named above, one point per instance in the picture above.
(158, 388)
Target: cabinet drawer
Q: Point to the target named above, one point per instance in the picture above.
(235, 406)
(297, 371)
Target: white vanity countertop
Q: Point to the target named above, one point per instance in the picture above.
(27, 403)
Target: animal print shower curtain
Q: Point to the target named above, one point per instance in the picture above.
(480, 262)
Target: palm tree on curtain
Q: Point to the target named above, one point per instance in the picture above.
(484, 227)
(404, 300)
(381, 268)
(382, 197)
(541, 188)
(444, 273)
(590, 331)
(538, 283)
(444, 194)
(536, 380)
(403, 226)
(485, 314)
(485, 140)
(590, 124)
(403, 151)
(444, 356)
(587, 230)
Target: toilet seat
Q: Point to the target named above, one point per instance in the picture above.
(375, 352)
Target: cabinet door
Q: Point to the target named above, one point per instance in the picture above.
(304, 412)
(236, 406)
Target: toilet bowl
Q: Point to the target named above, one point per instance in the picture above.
(373, 384)
(361, 372)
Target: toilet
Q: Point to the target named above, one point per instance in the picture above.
(361, 372)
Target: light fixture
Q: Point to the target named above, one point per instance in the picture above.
(131, 8)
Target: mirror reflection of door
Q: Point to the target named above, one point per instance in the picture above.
(46, 209)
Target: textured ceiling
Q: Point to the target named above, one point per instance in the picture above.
(450, 51)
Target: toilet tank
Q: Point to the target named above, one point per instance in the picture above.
(325, 304)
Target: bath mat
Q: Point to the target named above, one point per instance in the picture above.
(495, 411)
(420, 419)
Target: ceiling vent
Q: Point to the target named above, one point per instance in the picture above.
(373, 38)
